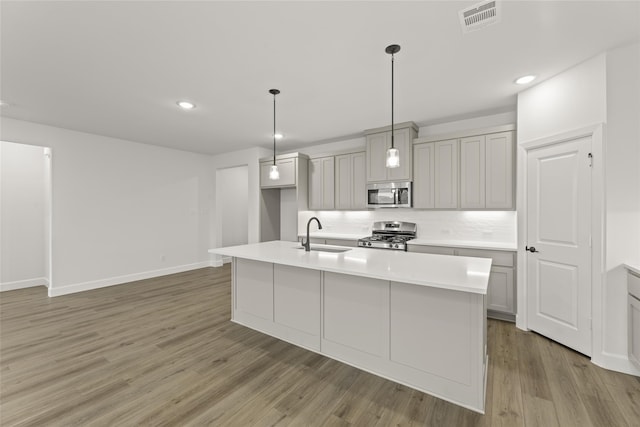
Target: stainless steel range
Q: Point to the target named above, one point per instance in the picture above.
(390, 235)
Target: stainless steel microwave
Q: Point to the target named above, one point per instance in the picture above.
(389, 195)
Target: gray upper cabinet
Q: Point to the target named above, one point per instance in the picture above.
(378, 141)
(291, 167)
(465, 172)
(446, 174)
(472, 172)
(350, 181)
(486, 171)
(424, 176)
(499, 172)
(321, 183)
(435, 175)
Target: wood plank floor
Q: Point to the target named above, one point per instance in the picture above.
(163, 352)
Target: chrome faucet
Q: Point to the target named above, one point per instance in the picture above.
(307, 245)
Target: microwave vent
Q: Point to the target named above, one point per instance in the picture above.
(479, 16)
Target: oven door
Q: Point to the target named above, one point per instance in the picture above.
(389, 195)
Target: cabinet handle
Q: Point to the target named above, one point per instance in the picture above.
(531, 249)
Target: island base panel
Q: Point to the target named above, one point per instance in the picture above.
(430, 339)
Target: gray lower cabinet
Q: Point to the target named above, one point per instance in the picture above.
(501, 293)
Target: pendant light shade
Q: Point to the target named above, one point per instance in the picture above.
(393, 158)
(393, 155)
(274, 174)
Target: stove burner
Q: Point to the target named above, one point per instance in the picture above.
(389, 235)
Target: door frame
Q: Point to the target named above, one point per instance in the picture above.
(595, 132)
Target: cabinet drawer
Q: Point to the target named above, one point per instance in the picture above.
(501, 258)
(438, 250)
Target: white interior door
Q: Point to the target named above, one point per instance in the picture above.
(558, 238)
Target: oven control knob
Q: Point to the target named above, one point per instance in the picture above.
(396, 246)
(369, 244)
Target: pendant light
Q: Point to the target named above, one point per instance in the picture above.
(274, 174)
(393, 155)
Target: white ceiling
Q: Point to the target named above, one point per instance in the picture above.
(118, 68)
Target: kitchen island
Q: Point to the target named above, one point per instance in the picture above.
(416, 319)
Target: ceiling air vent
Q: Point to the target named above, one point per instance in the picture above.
(479, 15)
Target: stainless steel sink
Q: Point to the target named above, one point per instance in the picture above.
(326, 248)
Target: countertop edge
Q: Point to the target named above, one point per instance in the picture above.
(275, 260)
(633, 269)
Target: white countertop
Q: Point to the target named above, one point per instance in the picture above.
(468, 244)
(633, 269)
(439, 271)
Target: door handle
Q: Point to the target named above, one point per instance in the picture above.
(531, 249)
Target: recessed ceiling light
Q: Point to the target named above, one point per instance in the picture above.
(525, 79)
(278, 136)
(186, 105)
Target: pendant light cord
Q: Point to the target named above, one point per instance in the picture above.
(274, 129)
(392, 146)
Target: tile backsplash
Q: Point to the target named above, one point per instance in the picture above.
(490, 226)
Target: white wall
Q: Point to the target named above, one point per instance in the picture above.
(571, 100)
(122, 211)
(507, 118)
(622, 189)
(232, 185)
(605, 90)
(472, 124)
(23, 230)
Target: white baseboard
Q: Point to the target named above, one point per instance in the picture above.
(119, 280)
(616, 362)
(21, 284)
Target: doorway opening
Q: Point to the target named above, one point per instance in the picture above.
(25, 218)
(232, 204)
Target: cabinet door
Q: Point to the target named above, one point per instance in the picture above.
(472, 172)
(315, 184)
(253, 295)
(350, 181)
(321, 183)
(343, 182)
(287, 169)
(446, 174)
(499, 170)
(358, 181)
(423, 176)
(403, 142)
(500, 290)
(377, 156)
(355, 314)
(296, 298)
